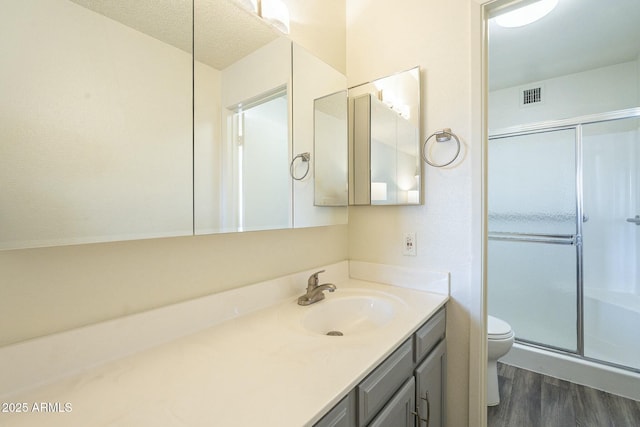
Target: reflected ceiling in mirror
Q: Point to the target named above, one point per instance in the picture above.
(225, 32)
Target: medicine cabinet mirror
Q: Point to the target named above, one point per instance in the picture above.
(384, 141)
(130, 120)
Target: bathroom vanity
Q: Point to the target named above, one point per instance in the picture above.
(250, 356)
(407, 389)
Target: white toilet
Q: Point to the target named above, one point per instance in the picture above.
(500, 340)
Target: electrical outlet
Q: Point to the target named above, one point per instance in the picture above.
(409, 246)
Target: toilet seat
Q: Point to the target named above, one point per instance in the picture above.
(498, 329)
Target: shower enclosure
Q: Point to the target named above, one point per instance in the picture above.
(564, 235)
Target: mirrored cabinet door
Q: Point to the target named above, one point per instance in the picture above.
(133, 120)
(254, 126)
(95, 121)
(384, 132)
(242, 109)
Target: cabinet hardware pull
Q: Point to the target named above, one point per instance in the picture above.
(426, 399)
(417, 414)
(418, 418)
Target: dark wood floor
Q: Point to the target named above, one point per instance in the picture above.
(529, 399)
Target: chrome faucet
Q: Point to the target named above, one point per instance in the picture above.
(314, 290)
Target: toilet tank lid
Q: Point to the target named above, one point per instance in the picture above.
(497, 326)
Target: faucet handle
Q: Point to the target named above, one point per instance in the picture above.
(314, 279)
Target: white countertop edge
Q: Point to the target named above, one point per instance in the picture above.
(51, 358)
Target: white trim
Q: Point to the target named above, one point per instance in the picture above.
(576, 370)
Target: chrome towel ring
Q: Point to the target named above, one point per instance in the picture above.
(441, 136)
(306, 157)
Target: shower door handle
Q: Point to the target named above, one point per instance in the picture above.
(635, 220)
(559, 239)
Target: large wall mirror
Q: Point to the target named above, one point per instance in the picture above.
(384, 141)
(128, 120)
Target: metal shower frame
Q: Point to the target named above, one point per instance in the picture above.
(575, 124)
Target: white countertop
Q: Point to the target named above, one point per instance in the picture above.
(262, 368)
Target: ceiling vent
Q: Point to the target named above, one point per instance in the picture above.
(531, 96)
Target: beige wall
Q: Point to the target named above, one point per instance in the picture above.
(47, 290)
(387, 37)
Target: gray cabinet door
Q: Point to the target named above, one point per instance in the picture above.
(399, 412)
(430, 388)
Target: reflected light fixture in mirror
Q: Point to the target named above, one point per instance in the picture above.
(276, 12)
(527, 14)
(384, 134)
(273, 11)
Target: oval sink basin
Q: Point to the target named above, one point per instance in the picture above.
(347, 315)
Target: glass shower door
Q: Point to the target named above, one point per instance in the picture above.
(533, 236)
(611, 158)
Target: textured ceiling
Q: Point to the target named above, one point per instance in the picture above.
(224, 32)
(578, 35)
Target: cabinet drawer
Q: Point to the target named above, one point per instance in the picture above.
(341, 415)
(400, 410)
(382, 383)
(429, 335)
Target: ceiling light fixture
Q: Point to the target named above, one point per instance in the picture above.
(526, 14)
